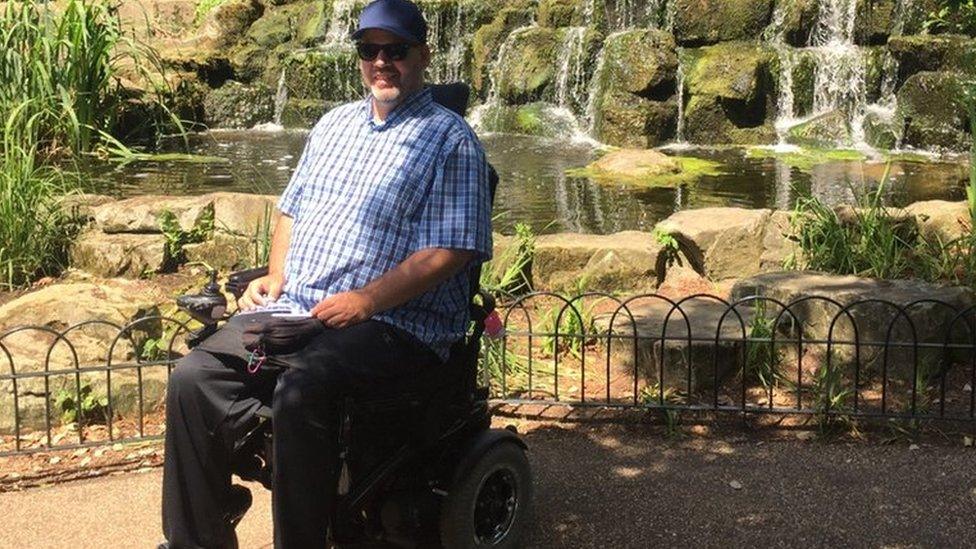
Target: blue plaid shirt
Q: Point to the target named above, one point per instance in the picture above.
(367, 194)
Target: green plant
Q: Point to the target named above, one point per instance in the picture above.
(830, 392)
(670, 250)
(652, 396)
(955, 16)
(499, 362)
(509, 272)
(762, 358)
(262, 238)
(575, 323)
(81, 405)
(177, 238)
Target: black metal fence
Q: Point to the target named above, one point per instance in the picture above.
(812, 356)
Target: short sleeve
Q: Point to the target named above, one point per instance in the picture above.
(457, 212)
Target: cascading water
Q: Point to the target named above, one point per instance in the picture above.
(774, 35)
(449, 39)
(571, 81)
(342, 23)
(679, 137)
(281, 98)
(839, 77)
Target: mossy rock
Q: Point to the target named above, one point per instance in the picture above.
(877, 62)
(947, 52)
(701, 22)
(799, 20)
(627, 120)
(804, 159)
(304, 113)
(873, 21)
(642, 62)
(881, 129)
(732, 70)
(715, 120)
(529, 68)
(488, 39)
(250, 62)
(827, 130)
(647, 168)
(932, 109)
(235, 105)
(804, 73)
(559, 13)
(323, 74)
(537, 119)
(304, 22)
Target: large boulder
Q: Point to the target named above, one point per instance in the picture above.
(120, 254)
(323, 74)
(627, 120)
(225, 24)
(720, 243)
(633, 164)
(929, 53)
(699, 22)
(727, 85)
(489, 38)
(641, 62)
(799, 18)
(619, 262)
(528, 70)
(235, 105)
(142, 214)
(900, 312)
(242, 214)
(559, 13)
(940, 221)
(826, 131)
(932, 106)
(69, 308)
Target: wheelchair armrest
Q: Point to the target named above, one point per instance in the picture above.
(237, 281)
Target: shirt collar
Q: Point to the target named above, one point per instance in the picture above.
(417, 102)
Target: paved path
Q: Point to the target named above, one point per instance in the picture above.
(619, 486)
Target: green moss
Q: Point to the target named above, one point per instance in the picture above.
(699, 22)
(488, 38)
(805, 159)
(529, 71)
(558, 13)
(642, 62)
(732, 70)
(691, 170)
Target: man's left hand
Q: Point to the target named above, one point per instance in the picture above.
(344, 309)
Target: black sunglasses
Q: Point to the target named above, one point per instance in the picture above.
(394, 52)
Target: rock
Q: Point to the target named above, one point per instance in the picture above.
(726, 86)
(141, 214)
(698, 22)
(626, 120)
(242, 214)
(303, 113)
(559, 13)
(799, 20)
(82, 206)
(675, 364)
(933, 53)
(612, 263)
(489, 38)
(931, 104)
(941, 221)
(873, 20)
(527, 72)
(235, 105)
(932, 321)
(120, 254)
(228, 21)
(322, 74)
(539, 119)
(303, 22)
(826, 131)
(641, 62)
(720, 243)
(778, 246)
(226, 253)
(633, 164)
(881, 128)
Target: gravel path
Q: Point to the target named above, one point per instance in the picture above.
(622, 486)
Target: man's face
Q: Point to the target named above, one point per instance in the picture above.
(391, 81)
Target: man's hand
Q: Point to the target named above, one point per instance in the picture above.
(261, 291)
(344, 309)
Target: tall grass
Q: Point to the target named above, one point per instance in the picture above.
(59, 96)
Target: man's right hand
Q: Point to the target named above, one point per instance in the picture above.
(261, 291)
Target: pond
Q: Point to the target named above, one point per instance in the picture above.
(535, 189)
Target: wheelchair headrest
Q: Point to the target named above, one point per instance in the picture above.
(454, 96)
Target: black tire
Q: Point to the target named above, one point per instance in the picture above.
(492, 505)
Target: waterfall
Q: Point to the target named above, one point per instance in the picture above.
(597, 84)
(839, 77)
(281, 98)
(570, 83)
(679, 136)
(449, 39)
(342, 23)
(785, 115)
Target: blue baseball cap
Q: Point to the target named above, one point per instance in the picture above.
(401, 17)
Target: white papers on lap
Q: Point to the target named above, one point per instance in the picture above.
(286, 310)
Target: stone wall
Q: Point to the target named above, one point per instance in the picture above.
(706, 71)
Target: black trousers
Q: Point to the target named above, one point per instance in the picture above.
(211, 403)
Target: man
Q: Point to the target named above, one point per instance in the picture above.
(388, 207)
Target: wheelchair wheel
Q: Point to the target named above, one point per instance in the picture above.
(492, 505)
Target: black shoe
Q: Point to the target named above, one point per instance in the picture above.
(238, 503)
